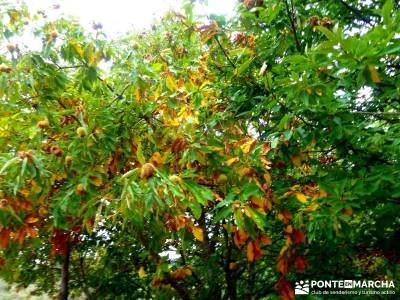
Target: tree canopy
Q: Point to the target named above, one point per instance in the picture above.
(203, 158)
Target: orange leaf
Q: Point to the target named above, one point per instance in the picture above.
(97, 181)
(286, 216)
(4, 237)
(266, 162)
(289, 229)
(283, 265)
(257, 250)
(347, 211)
(181, 273)
(32, 231)
(31, 219)
(285, 289)
(298, 237)
(266, 147)
(240, 237)
(300, 263)
(265, 240)
(250, 252)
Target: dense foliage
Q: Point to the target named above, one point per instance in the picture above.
(216, 159)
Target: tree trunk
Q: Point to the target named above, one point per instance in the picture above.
(65, 275)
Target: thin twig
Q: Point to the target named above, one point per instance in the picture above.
(376, 113)
(357, 13)
(69, 67)
(293, 25)
(224, 51)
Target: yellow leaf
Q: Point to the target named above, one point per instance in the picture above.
(138, 94)
(231, 161)
(301, 197)
(91, 57)
(78, 49)
(311, 208)
(267, 178)
(101, 169)
(157, 92)
(156, 159)
(244, 171)
(171, 84)
(248, 212)
(374, 74)
(198, 233)
(13, 14)
(141, 272)
(99, 56)
(248, 146)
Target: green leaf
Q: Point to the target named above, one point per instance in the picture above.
(139, 154)
(195, 207)
(274, 142)
(329, 34)
(222, 214)
(243, 67)
(8, 164)
(257, 217)
(23, 168)
(200, 193)
(250, 189)
(239, 218)
(386, 12)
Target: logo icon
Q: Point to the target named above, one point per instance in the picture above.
(348, 284)
(302, 287)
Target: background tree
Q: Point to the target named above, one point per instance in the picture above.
(255, 151)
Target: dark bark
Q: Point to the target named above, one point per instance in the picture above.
(230, 281)
(65, 275)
